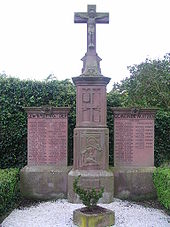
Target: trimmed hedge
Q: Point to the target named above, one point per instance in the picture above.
(113, 100)
(161, 178)
(162, 137)
(9, 189)
(16, 94)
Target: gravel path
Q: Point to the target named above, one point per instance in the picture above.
(59, 213)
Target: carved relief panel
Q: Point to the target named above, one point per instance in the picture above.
(91, 106)
(91, 149)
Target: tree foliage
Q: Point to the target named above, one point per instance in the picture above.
(148, 84)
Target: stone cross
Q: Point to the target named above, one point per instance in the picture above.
(91, 18)
(91, 66)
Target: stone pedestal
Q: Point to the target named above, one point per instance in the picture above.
(91, 138)
(134, 183)
(45, 176)
(134, 153)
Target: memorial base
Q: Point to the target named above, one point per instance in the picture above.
(44, 182)
(134, 183)
(92, 179)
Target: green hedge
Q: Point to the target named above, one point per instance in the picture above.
(16, 94)
(161, 180)
(162, 137)
(113, 100)
(9, 189)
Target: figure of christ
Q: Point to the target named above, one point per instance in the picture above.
(91, 18)
(91, 29)
(92, 151)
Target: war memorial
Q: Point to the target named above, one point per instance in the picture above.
(47, 175)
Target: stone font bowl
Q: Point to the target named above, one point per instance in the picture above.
(94, 217)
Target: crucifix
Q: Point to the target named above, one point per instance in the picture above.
(91, 60)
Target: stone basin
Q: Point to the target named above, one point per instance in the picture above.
(96, 217)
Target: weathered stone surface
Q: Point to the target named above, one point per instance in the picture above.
(133, 137)
(91, 61)
(92, 179)
(91, 136)
(91, 148)
(44, 182)
(91, 101)
(134, 152)
(103, 219)
(46, 175)
(134, 183)
(47, 135)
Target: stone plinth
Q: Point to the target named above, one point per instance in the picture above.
(44, 182)
(102, 217)
(134, 183)
(91, 138)
(92, 179)
(45, 176)
(134, 152)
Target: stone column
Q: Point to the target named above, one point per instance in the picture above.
(91, 135)
(91, 138)
(45, 176)
(134, 153)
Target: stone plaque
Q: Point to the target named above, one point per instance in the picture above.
(133, 137)
(47, 136)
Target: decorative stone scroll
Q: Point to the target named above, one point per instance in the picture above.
(47, 135)
(134, 137)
